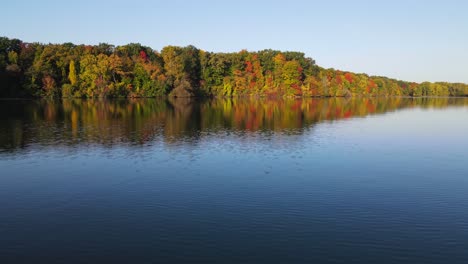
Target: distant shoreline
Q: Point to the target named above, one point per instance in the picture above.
(231, 97)
(134, 71)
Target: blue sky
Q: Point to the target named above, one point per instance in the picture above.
(410, 40)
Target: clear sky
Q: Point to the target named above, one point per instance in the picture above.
(412, 40)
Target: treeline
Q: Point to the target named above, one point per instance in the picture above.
(133, 70)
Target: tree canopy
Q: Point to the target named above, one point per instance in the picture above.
(133, 70)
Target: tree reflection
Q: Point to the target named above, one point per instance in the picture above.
(139, 121)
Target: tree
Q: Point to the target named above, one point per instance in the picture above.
(72, 73)
(182, 67)
(292, 77)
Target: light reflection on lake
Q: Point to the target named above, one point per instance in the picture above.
(357, 180)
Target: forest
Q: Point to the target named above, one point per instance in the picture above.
(91, 71)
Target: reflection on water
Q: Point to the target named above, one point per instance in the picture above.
(234, 181)
(69, 122)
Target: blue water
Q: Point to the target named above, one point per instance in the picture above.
(226, 181)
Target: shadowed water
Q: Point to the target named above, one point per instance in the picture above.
(379, 180)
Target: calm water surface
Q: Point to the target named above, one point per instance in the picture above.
(234, 181)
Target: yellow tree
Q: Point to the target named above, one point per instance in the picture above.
(72, 74)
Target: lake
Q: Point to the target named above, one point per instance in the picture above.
(376, 180)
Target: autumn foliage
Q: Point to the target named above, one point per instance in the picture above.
(133, 70)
